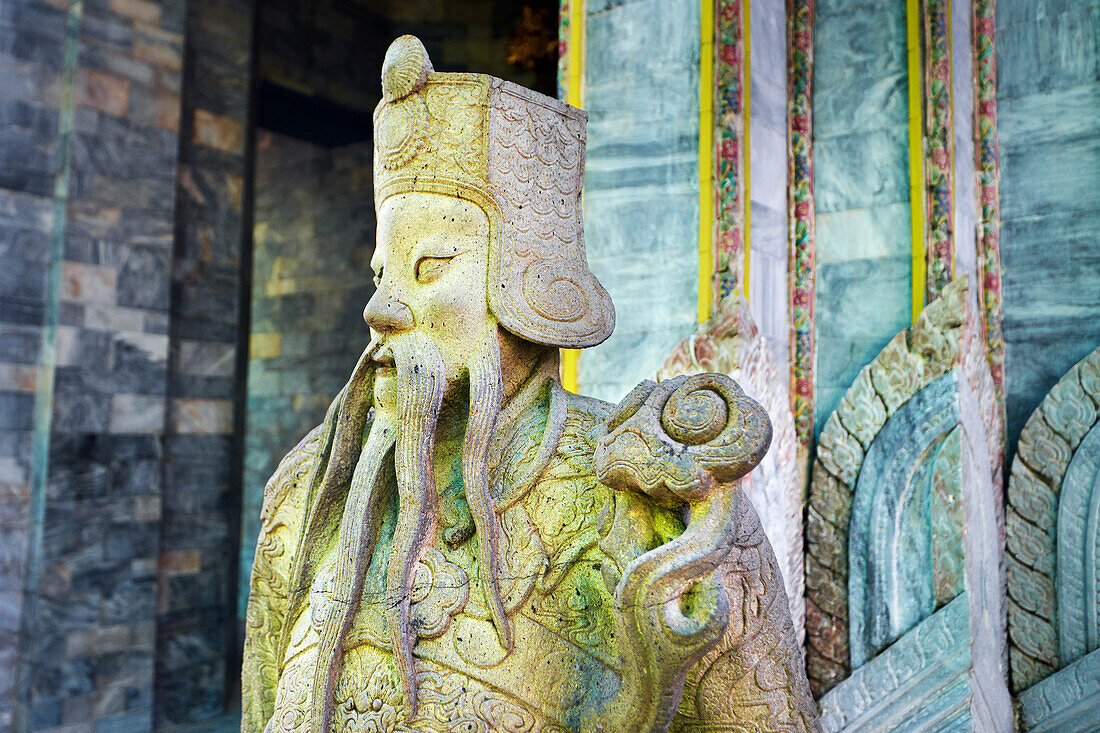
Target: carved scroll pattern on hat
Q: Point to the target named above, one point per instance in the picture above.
(911, 361)
(537, 165)
(437, 132)
(536, 162)
(1047, 447)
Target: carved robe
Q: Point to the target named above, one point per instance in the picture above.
(555, 581)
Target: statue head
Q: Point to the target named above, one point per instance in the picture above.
(479, 262)
(474, 160)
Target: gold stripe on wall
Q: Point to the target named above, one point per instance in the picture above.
(706, 158)
(916, 156)
(570, 358)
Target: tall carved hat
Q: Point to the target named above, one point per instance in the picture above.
(517, 154)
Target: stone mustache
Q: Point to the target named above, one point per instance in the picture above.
(462, 545)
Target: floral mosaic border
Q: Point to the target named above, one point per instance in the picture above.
(729, 204)
(939, 140)
(801, 267)
(563, 51)
(988, 169)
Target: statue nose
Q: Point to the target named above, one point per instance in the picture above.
(387, 315)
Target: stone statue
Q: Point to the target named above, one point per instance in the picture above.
(463, 545)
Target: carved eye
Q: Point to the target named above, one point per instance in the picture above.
(378, 279)
(428, 269)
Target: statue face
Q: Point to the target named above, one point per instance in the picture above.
(430, 264)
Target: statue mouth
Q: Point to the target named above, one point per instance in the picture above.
(384, 364)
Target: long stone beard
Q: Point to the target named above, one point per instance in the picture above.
(410, 431)
(421, 380)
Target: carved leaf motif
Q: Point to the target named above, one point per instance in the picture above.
(1037, 500)
(896, 374)
(1068, 411)
(932, 346)
(862, 411)
(840, 453)
(1045, 451)
(1089, 375)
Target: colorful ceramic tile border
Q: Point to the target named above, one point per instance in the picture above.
(730, 152)
(988, 168)
(939, 148)
(801, 266)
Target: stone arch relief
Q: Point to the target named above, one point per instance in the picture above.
(899, 597)
(1052, 536)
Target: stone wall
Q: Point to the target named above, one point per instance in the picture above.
(311, 278)
(30, 99)
(1048, 99)
(88, 192)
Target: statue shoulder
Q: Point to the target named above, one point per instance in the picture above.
(583, 418)
(291, 478)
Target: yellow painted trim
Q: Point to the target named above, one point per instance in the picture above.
(570, 358)
(916, 156)
(706, 159)
(576, 53)
(746, 104)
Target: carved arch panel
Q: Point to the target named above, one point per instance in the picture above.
(1052, 516)
(911, 361)
(905, 550)
(903, 629)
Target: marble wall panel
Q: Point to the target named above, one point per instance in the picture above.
(642, 97)
(861, 187)
(1048, 66)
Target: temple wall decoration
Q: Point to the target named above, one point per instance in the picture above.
(730, 343)
(1052, 517)
(801, 240)
(987, 169)
(937, 111)
(901, 601)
